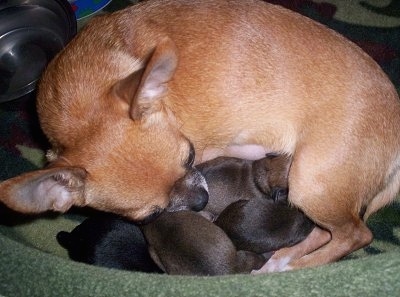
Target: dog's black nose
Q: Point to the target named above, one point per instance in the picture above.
(200, 200)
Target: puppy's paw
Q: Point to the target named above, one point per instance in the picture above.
(274, 265)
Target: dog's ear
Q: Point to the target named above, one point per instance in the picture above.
(54, 189)
(126, 88)
(144, 88)
(158, 72)
(272, 172)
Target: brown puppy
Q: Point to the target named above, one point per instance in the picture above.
(126, 98)
(227, 180)
(264, 225)
(221, 181)
(186, 243)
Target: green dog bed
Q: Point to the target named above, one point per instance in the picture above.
(33, 264)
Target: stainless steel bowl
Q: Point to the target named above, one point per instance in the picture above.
(32, 32)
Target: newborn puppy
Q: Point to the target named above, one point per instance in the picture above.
(186, 243)
(264, 224)
(249, 201)
(110, 241)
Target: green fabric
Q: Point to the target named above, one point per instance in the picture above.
(29, 272)
(33, 264)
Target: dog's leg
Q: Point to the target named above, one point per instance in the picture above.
(345, 239)
(317, 238)
(333, 195)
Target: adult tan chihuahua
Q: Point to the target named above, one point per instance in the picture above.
(122, 104)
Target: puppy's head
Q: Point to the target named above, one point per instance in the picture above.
(189, 192)
(116, 144)
(81, 242)
(271, 175)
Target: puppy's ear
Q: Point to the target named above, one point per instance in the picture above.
(64, 239)
(152, 85)
(272, 172)
(54, 189)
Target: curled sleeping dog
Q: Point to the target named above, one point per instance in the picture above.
(248, 199)
(147, 91)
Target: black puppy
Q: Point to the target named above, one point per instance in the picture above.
(110, 241)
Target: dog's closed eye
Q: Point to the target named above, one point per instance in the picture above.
(191, 157)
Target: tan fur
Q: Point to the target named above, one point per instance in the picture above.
(280, 259)
(126, 96)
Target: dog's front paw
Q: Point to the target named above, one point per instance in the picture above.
(274, 265)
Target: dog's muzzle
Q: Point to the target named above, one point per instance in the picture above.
(200, 200)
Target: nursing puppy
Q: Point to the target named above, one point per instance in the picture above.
(138, 91)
